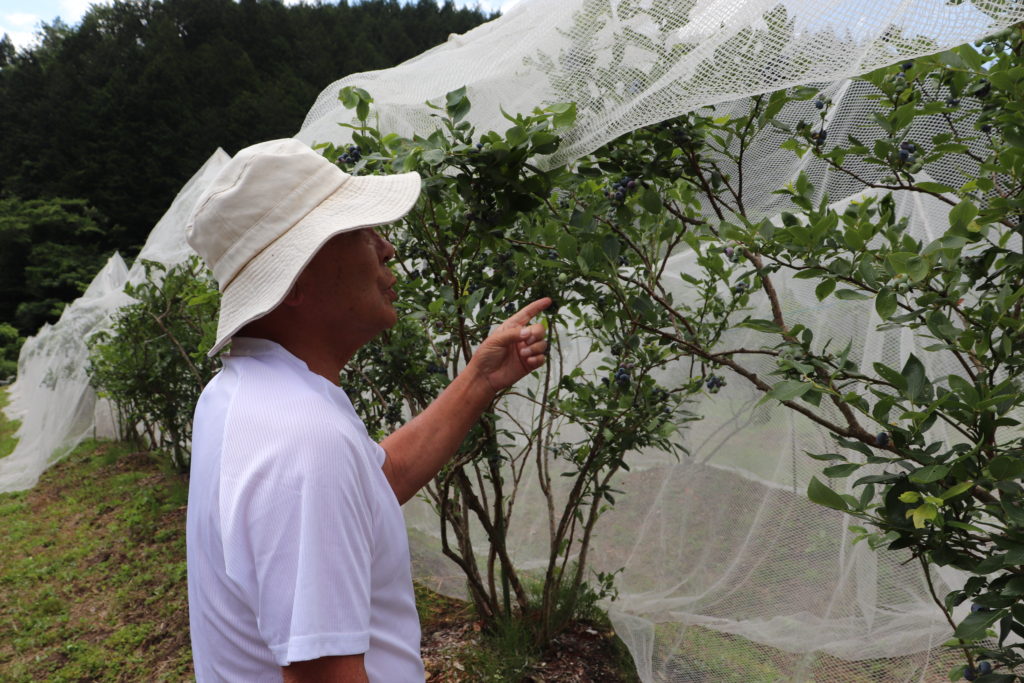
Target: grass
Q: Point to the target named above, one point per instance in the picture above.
(92, 579)
(93, 582)
(7, 428)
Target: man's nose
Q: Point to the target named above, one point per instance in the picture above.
(387, 249)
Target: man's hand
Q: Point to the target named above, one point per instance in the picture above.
(513, 350)
(423, 445)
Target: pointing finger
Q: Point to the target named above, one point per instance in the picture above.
(531, 309)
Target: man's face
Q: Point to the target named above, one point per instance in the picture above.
(350, 285)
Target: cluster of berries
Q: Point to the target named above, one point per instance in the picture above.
(620, 188)
(907, 150)
(435, 369)
(622, 377)
(714, 383)
(818, 137)
(740, 288)
(351, 155)
(984, 668)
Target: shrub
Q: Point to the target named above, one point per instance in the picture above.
(152, 364)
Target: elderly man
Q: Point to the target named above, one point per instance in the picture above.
(298, 562)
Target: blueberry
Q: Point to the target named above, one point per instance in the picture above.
(882, 439)
(969, 674)
(740, 288)
(984, 667)
(986, 128)
(479, 145)
(631, 184)
(729, 251)
(819, 103)
(952, 102)
(907, 66)
(620, 195)
(904, 155)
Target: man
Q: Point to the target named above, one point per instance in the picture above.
(298, 563)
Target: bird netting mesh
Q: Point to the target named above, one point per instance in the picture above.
(728, 572)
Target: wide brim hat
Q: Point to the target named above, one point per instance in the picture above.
(269, 211)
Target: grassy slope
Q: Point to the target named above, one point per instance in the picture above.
(92, 577)
(93, 582)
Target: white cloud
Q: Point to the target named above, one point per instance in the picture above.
(22, 20)
(21, 39)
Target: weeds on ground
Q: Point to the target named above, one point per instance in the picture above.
(92, 577)
(7, 428)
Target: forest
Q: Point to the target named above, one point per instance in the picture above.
(102, 123)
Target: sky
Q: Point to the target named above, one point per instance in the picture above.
(21, 18)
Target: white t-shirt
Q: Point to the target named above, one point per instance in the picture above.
(296, 544)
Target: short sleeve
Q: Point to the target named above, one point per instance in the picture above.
(300, 542)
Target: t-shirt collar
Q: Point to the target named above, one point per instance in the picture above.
(256, 347)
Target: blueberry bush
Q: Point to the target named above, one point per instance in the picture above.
(495, 228)
(152, 363)
(485, 239)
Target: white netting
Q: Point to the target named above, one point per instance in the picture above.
(52, 396)
(730, 574)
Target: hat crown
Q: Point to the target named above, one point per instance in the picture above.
(260, 194)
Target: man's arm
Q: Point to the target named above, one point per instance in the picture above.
(340, 669)
(421, 447)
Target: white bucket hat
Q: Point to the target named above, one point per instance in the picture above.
(267, 214)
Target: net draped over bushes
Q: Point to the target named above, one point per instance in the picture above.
(724, 539)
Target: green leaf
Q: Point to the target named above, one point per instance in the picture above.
(650, 200)
(974, 626)
(851, 295)
(788, 389)
(839, 471)
(823, 495)
(433, 157)
(824, 288)
(913, 373)
(1006, 468)
(564, 118)
(516, 136)
(766, 326)
(928, 474)
(961, 215)
(885, 303)
(921, 514)
(954, 491)
(891, 376)
(934, 187)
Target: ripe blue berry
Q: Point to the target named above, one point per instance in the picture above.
(819, 103)
(984, 667)
(729, 251)
(881, 439)
(907, 66)
(970, 674)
